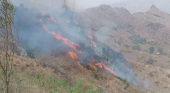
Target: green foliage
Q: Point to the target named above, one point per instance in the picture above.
(30, 50)
(138, 39)
(1, 73)
(7, 6)
(136, 47)
(52, 85)
(151, 50)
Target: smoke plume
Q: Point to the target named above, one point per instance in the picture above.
(57, 30)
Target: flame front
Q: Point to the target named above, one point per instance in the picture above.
(73, 55)
(74, 46)
(101, 65)
(60, 37)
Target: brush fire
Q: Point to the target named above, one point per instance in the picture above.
(64, 31)
(92, 64)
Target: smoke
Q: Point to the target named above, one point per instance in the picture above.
(53, 27)
(131, 5)
(31, 30)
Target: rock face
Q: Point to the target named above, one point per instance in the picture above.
(126, 32)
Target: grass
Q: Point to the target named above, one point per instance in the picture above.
(51, 85)
(124, 81)
(42, 83)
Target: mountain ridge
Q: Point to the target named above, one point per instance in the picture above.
(134, 35)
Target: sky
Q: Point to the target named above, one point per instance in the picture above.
(131, 5)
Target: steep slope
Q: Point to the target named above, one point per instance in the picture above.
(48, 74)
(143, 38)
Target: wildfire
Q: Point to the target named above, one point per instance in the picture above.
(82, 67)
(74, 46)
(73, 55)
(101, 65)
(98, 65)
(60, 37)
(65, 40)
(108, 69)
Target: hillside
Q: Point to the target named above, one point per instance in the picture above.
(47, 74)
(143, 38)
(98, 50)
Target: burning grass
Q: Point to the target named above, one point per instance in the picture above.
(81, 45)
(61, 74)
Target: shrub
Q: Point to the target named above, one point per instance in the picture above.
(30, 51)
(136, 47)
(138, 39)
(151, 50)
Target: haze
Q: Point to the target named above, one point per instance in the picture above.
(131, 5)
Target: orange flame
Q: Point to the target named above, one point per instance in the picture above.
(59, 37)
(92, 66)
(101, 65)
(108, 69)
(82, 67)
(65, 40)
(74, 46)
(73, 55)
(98, 65)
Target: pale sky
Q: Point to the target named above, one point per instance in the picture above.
(131, 5)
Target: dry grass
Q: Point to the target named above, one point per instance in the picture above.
(32, 77)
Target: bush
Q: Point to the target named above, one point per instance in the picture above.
(138, 39)
(151, 50)
(136, 47)
(30, 50)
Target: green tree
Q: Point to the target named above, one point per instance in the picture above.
(7, 41)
